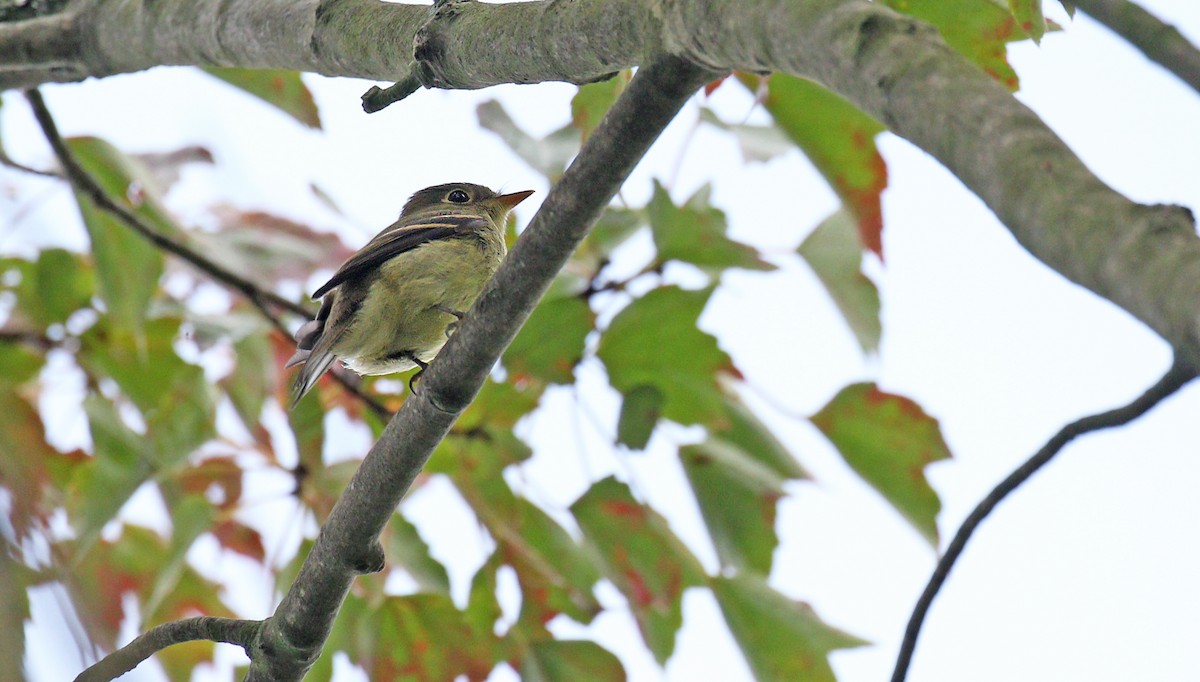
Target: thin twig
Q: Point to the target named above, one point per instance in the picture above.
(6, 160)
(258, 297)
(227, 630)
(84, 182)
(1173, 380)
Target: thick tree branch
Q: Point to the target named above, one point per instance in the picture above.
(1172, 381)
(121, 661)
(1146, 259)
(348, 542)
(1156, 39)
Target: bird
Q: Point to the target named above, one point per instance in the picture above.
(393, 304)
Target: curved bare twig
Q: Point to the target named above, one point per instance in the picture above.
(1172, 381)
(228, 630)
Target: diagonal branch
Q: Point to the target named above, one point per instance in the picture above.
(226, 630)
(1172, 381)
(1156, 39)
(260, 298)
(348, 543)
(83, 182)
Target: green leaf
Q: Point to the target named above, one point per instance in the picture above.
(190, 517)
(745, 431)
(570, 661)
(102, 485)
(18, 365)
(15, 580)
(840, 141)
(979, 29)
(888, 440)
(555, 574)
(737, 497)
(835, 256)
(1029, 16)
(593, 101)
(127, 266)
(251, 380)
(63, 284)
(655, 342)
(612, 229)
(548, 156)
(550, 343)
(280, 88)
(695, 233)
(172, 395)
(640, 411)
(758, 143)
(783, 640)
(403, 546)
(642, 557)
(499, 406)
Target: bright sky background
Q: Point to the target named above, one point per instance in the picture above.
(1087, 573)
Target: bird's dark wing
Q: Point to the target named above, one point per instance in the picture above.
(401, 237)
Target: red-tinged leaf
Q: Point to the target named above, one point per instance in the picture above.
(1029, 17)
(103, 574)
(839, 139)
(190, 596)
(833, 252)
(416, 637)
(712, 86)
(555, 573)
(593, 101)
(219, 479)
(640, 411)
(888, 440)
(551, 342)
(24, 460)
(240, 538)
(738, 497)
(979, 29)
(570, 661)
(783, 640)
(655, 342)
(280, 88)
(695, 233)
(642, 557)
(404, 547)
(166, 167)
(127, 266)
(268, 248)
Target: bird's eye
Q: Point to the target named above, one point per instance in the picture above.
(458, 196)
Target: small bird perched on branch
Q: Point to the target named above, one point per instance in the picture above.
(390, 307)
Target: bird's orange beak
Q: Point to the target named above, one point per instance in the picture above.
(510, 200)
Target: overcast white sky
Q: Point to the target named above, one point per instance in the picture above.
(1087, 573)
